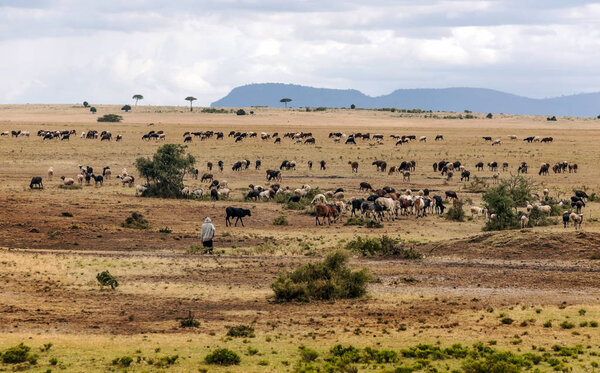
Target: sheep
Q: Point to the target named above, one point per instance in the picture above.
(339, 195)
(198, 192)
(50, 173)
(475, 210)
(512, 137)
(126, 180)
(406, 176)
(319, 198)
(423, 138)
(300, 192)
(80, 179)
(67, 180)
(185, 191)
(576, 219)
(545, 209)
(224, 192)
(546, 193)
(524, 221)
(495, 178)
(497, 142)
(140, 189)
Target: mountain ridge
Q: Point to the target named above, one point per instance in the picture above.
(458, 99)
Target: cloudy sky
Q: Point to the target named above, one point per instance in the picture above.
(106, 51)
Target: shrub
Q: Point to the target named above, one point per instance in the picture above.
(511, 193)
(124, 361)
(126, 109)
(245, 331)
(240, 112)
(70, 187)
(361, 221)
(211, 110)
(165, 171)
(381, 246)
(280, 220)
(352, 106)
(53, 361)
(66, 214)
(106, 279)
(114, 118)
(567, 325)
(507, 320)
(135, 221)
(189, 321)
(489, 116)
(19, 354)
(222, 356)
(93, 110)
(456, 212)
(328, 279)
(164, 361)
(307, 354)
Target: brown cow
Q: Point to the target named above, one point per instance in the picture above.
(325, 211)
(354, 166)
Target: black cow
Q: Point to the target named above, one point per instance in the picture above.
(220, 164)
(581, 194)
(487, 138)
(237, 166)
(294, 199)
(98, 179)
(465, 175)
(310, 164)
(451, 194)
(238, 213)
(439, 204)
(36, 181)
(566, 215)
(323, 165)
(356, 206)
(253, 194)
(350, 140)
(258, 164)
(214, 194)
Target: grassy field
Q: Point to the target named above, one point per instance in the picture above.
(532, 292)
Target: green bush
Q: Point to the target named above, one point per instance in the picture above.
(19, 354)
(135, 221)
(245, 331)
(280, 220)
(456, 212)
(114, 118)
(241, 112)
(325, 280)
(124, 361)
(222, 356)
(106, 279)
(383, 245)
(211, 110)
(511, 193)
(307, 354)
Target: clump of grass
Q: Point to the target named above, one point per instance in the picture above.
(280, 220)
(361, 221)
(166, 230)
(70, 187)
(506, 320)
(123, 361)
(548, 324)
(223, 356)
(66, 214)
(308, 354)
(106, 279)
(136, 221)
(325, 280)
(456, 212)
(244, 331)
(567, 325)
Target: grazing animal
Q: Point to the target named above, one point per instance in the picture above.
(257, 164)
(544, 169)
(139, 190)
(36, 181)
(67, 180)
(238, 213)
(214, 194)
(497, 142)
(106, 172)
(354, 166)
(319, 199)
(439, 137)
(406, 176)
(451, 194)
(126, 180)
(524, 221)
(207, 177)
(98, 179)
(495, 178)
(356, 205)
(577, 219)
(581, 194)
(325, 211)
(465, 175)
(479, 166)
(365, 186)
(487, 138)
(439, 204)
(209, 166)
(50, 173)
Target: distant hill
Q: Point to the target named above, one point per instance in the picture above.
(478, 100)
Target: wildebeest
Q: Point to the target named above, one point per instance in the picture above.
(238, 213)
(36, 181)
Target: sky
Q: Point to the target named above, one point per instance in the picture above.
(106, 51)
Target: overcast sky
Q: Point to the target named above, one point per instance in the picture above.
(105, 51)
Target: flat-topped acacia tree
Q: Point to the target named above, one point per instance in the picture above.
(191, 99)
(137, 98)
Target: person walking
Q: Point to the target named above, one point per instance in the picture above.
(207, 234)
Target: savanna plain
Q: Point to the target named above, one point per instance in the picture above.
(463, 300)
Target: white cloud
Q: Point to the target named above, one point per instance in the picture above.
(68, 51)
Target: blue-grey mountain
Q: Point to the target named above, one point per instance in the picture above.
(478, 100)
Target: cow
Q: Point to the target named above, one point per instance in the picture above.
(326, 211)
(465, 175)
(365, 186)
(451, 194)
(36, 181)
(235, 212)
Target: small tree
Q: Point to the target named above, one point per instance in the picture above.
(126, 108)
(165, 171)
(285, 100)
(137, 98)
(85, 104)
(191, 99)
(93, 110)
(513, 192)
(352, 106)
(489, 116)
(241, 112)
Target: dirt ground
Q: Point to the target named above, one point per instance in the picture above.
(49, 261)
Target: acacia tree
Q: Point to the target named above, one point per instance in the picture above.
(191, 99)
(126, 108)
(285, 100)
(165, 171)
(137, 98)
